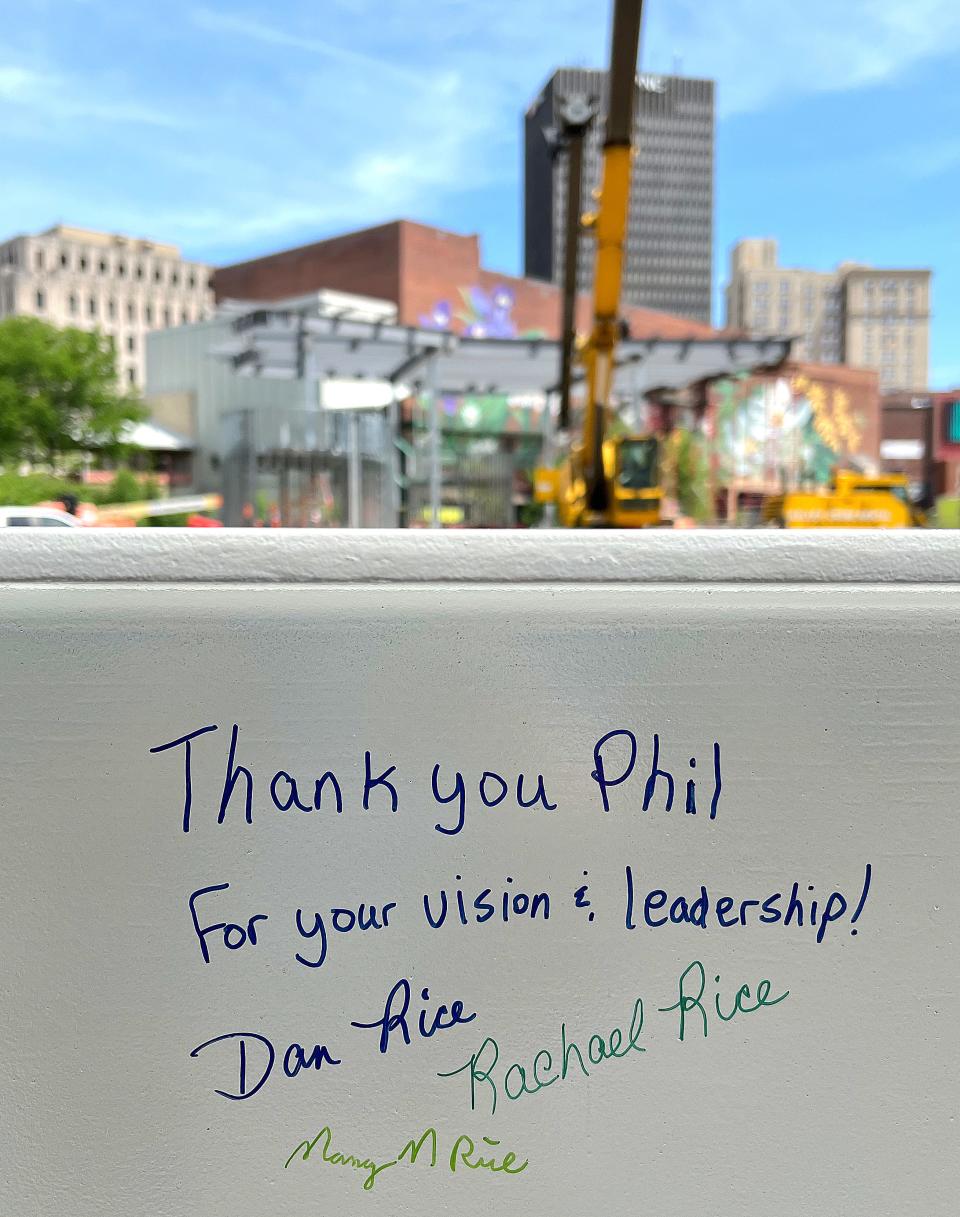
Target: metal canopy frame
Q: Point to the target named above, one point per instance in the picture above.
(272, 342)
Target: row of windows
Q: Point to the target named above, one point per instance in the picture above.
(682, 139)
(673, 207)
(903, 325)
(668, 154)
(785, 284)
(151, 315)
(137, 270)
(664, 281)
(891, 316)
(889, 286)
(681, 185)
(670, 252)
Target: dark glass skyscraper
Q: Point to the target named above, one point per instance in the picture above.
(669, 264)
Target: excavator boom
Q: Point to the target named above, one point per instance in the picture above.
(610, 229)
(605, 480)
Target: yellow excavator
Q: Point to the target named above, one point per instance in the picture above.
(852, 500)
(605, 481)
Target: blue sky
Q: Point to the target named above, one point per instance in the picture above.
(235, 129)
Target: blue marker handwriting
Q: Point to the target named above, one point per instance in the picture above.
(622, 782)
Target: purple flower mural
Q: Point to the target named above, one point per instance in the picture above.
(488, 315)
(439, 317)
(483, 314)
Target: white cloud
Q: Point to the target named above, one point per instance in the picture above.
(310, 117)
(271, 35)
(51, 96)
(763, 52)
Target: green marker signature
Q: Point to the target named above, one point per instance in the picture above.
(465, 1154)
(491, 1075)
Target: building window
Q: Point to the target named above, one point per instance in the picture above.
(132, 375)
(72, 305)
(121, 270)
(112, 309)
(38, 259)
(174, 278)
(64, 260)
(167, 317)
(192, 281)
(131, 344)
(139, 271)
(41, 301)
(83, 264)
(158, 275)
(131, 312)
(103, 267)
(184, 318)
(148, 315)
(92, 306)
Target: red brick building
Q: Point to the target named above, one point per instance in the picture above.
(906, 429)
(435, 278)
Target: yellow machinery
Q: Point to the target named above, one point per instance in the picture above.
(608, 481)
(630, 472)
(853, 500)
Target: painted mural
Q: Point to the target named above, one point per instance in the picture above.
(493, 414)
(481, 314)
(795, 429)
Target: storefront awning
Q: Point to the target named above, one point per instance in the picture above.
(155, 438)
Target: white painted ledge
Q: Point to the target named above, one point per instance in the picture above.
(255, 556)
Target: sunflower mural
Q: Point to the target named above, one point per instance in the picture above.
(794, 429)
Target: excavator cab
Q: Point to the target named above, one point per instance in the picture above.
(632, 472)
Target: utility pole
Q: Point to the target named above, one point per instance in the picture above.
(576, 115)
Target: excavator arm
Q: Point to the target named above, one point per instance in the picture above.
(610, 228)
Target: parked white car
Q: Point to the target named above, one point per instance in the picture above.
(36, 517)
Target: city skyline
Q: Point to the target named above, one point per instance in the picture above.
(233, 134)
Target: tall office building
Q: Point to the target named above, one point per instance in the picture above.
(669, 259)
(123, 286)
(864, 316)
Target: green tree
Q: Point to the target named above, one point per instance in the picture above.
(59, 392)
(684, 472)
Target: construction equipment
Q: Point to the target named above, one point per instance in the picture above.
(607, 481)
(852, 500)
(127, 515)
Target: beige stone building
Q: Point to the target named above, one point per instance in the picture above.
(858, 315)
(124, 286)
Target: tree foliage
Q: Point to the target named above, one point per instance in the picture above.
(683, 468)
(59, 392)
